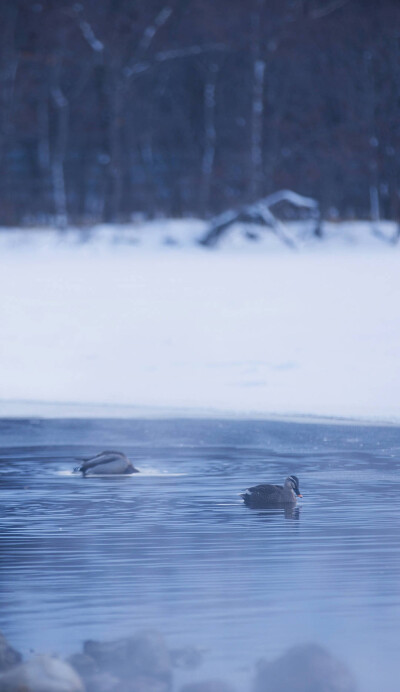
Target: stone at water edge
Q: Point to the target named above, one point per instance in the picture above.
(9, 657)
(142, 683)
(103, 682)
(106, 682)
(84, 665)
(144, 653)
(305, 668)
(41, 674)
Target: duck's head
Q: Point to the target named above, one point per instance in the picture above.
(293, 482)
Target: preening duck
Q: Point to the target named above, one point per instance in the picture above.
(266, 495)
(106, 463)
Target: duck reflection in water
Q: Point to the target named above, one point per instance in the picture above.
(288, 511)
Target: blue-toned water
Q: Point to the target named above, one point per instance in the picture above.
(175, 549)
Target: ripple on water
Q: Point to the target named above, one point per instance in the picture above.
(174, 547)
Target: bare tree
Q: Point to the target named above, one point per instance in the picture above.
(180, 106)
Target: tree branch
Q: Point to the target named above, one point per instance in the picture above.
(172, 54)
(260, 213)
(189, 50)
(151, 30)
(90, 37)
(331, 7)
(146, 40)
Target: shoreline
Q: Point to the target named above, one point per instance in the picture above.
(22, 409)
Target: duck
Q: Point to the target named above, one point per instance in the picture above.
(108, 462)
(266, 495)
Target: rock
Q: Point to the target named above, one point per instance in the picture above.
(143, 654)
(189, 657)
(84, 665)
(95, 681)
(41, 674)
(105, 682)
(208, 686)
(102, 682)
(8, 656)
(143, 683)
(306, 668)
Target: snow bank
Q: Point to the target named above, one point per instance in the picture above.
(186, 233)
(121, 329)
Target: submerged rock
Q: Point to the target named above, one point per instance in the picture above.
(143, 654)
(305, 668)
(9, 657)
(41, 674)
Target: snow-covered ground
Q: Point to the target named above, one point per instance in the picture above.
(137, 321)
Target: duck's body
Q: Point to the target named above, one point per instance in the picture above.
(106, 463)
(266, 495)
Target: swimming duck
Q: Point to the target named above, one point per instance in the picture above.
(104, 463)
(265, 495)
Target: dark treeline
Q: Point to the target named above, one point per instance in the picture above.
(116, 107)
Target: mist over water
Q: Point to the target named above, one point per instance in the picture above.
(175, 549)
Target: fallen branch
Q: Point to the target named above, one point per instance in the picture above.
(260, 213)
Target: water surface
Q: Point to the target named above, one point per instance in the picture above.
(175, 549)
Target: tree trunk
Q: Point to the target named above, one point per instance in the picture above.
(8, 69)
(374, 201)
(257, 110)
(57, 165)
(43, 143)
(210, 137)
(113, 208)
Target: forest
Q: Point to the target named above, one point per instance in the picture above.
(116, 109)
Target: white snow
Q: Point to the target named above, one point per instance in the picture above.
(101, 328)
